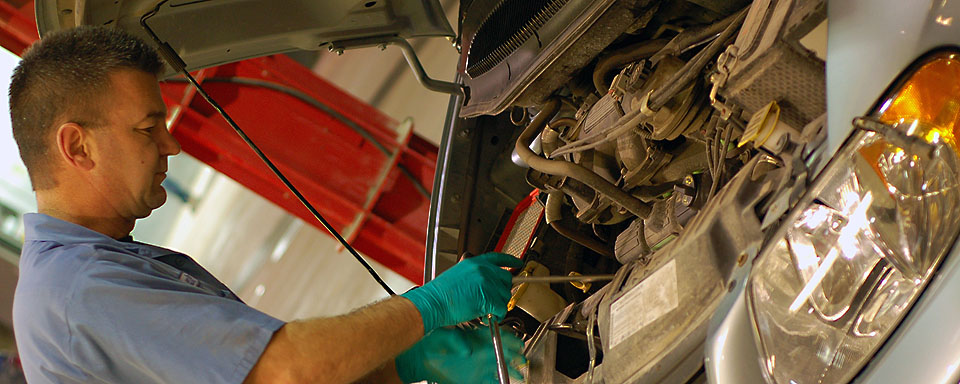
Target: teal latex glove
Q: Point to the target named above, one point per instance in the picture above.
(461, 356)
(470, 289)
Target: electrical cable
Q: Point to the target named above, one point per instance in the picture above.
(623, 125)
(304, 97)
(682, 78)
(708, 141)
(714, 153)
(720, 161)
(177, 63)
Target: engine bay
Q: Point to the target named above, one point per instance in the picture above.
(655, 141)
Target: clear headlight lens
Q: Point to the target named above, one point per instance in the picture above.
(853, 257)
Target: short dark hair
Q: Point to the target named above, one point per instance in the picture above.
(60, 79)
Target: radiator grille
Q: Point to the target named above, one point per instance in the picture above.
(510, 24)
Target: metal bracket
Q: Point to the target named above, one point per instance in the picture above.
(644, 103)
(719, 79)
(408, 53)
(898, 137)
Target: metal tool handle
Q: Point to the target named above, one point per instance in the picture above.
(502, 373)
(561, 279)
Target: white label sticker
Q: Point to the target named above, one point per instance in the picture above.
(652, 298)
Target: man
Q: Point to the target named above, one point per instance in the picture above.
(92, 305)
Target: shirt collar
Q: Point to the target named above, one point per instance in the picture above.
(41, 227)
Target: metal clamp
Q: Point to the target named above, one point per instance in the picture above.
(645, 105)
(719, 78)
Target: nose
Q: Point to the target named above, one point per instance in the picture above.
(168, 144)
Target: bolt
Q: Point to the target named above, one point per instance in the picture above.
(686, 200)
(383, 47)
(339, 51)
(742, 259)
(688, 180)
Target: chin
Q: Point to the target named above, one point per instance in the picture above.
(156, 201)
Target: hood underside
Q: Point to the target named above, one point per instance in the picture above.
(207, 33)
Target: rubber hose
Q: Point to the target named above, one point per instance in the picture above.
(552, 209)
(550, 138)
(571, 170)
(623, 57)
(553, 214)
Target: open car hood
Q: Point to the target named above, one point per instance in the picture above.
(212, 32)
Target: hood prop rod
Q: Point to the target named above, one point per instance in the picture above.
(175, 61)
(409, 54)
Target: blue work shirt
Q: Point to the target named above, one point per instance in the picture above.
(92, 309)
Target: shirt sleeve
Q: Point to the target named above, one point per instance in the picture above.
(127, 325)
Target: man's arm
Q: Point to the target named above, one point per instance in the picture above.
(385, 374)
(340, 349)
(345, 348)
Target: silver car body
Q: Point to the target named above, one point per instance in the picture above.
(870, 43)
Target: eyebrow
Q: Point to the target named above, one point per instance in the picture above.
(155, 115)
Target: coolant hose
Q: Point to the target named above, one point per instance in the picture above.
(572, 170)
(553, 214)
(550, 138)
(551, 210)
(623, 57)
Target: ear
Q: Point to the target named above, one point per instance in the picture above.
(73, 145)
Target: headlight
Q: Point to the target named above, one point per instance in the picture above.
(849, 262)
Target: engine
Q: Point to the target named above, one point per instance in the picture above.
(658, 138)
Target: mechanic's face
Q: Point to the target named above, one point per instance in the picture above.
(133, 145)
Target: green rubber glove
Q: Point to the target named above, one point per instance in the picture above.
(470, 289)
(460, 356)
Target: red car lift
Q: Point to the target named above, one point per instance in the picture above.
(358, 185)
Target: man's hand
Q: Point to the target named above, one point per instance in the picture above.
(452, 355)
(473, 288)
